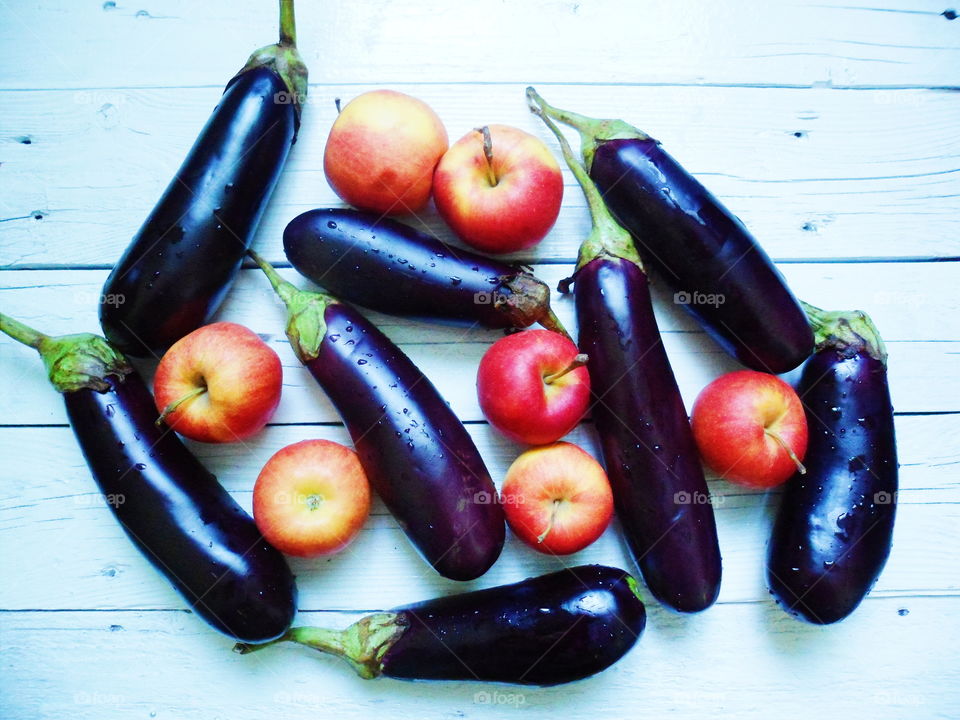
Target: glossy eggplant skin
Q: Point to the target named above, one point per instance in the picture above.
(834, 529)
(701, 249)
(384, 265)
(542, 631)
(177, 269)
(178, 515)
(416, 453)
(659, 490)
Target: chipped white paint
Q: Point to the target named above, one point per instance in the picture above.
(830, 128)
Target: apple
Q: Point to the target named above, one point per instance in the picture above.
(557, 498)
(499, 189)
(221, 383)
(311, 498)
(750, 428)
(533, 386)
(382, 151)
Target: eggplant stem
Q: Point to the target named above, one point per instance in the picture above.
(606, 236)
(592, 130)
(282, 287)
(793, 456)
(550, 321)
(362, 644)
(73, 362)
(288, 24)
(579, 361)
(178, 402)
(22, 333)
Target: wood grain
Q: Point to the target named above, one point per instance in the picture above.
(815, 173)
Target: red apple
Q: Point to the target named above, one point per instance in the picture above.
(499, 188)
(750, 428)
(533, 387)
(557, 498)
(382, 150)
(220, 383)
(311, 498)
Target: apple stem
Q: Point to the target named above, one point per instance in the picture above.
(793, 456)
(579, 361)
(336, 102)
(488, 154)
(553, 514)
(178, 402)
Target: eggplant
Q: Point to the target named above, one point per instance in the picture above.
(178, 267)
(171, 507)
(545, 630)
(659, 489)
(834, 529)
(384, 265)
(415, 452)
(714, 266)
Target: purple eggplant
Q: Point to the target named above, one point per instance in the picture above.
(659, 489)
(711, 262)
(416, 453)
(384, 265)
(834, 530)
(170, 506)
(177, 269)
(545, 630)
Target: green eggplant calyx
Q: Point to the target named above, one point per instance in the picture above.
(527, 302)
(73, 362)
(363, 644)
(285, 61)
(306, 325)
(849, 331)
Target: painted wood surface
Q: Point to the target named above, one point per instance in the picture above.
(830, 128)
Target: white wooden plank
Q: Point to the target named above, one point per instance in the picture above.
(814, 173)
(913, 305)
(91, 665)
(176, 42)
(48, 496)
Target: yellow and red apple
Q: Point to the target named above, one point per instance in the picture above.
(221, 383)
(750, 428)
(557, 498)
(382, 151)
(499, 188)
(533, 386)
(311, 498)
